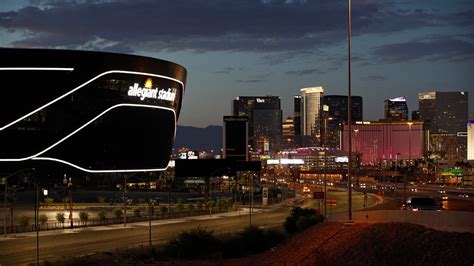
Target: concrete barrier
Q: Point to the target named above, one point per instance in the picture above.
(451, 221)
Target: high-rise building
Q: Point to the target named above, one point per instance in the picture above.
(235, 138)
(470, 140)
(379, 141)
(310, 113)
(297, 120)
(288, 133)
(445, 115)
(415, 115)
(396, 109)
(335, 115)
(265, 120)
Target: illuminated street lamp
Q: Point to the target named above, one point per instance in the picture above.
(68, 187)
(409, 161)
(349, 109)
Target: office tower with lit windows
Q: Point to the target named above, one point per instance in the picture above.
(415, 115)
(288, 133)
(470, 140)
(297, 120)
(311, 114)
(265, 120)
(445, 115)
(396, 109)
(335, 114)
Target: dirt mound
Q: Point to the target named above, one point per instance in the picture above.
(369, 244)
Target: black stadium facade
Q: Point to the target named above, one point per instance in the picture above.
(91, 111)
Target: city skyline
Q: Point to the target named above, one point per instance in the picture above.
(267, 47)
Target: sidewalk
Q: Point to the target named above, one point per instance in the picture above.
(243, 211)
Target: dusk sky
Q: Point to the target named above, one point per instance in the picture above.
(265, 47)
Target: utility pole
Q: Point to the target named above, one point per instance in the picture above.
(125, 201)
(349, 110)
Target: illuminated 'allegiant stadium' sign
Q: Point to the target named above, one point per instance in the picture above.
(78, 107)
(142, 93)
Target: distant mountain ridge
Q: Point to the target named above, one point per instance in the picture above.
(196, 138)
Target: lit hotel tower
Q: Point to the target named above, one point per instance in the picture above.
(470, 140)
(310, 111)
(446, 115)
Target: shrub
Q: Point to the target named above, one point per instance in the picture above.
(48, 201)
(250, 241)
(136, 212)
(301, 218)
(23, 220)
(210, 205)
(179, 206)
(193, 244)
(163, 209)
(101, 200)
(60, 217)
(254, 239)
(199, 205)
(118, 212)
(191, 206)
(141, 200)
(102, 215)
(84, 217)
(43, 219)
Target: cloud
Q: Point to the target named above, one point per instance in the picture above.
(434, 49)
(305, 72)
(278, 26)
(250, 80)
(376, 78)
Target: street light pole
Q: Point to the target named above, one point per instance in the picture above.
(409, 161)
(349, 110)
(125, 201)
(36, 224)
(71, 218)
(149, 211)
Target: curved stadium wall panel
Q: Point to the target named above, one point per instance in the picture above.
(97, 112)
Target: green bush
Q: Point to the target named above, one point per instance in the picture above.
(191, 206)
(163, 209)
(23, 220)
(250, 241)
(60, 217)
(199, 205)
(43, 219)
(193, 244)
(84, 217)
(102, 215)
(101, 200)
(179, 206)
(211, 204)
(141, 200)
(136, 212)
(48, 201)
(301, 218)
(118, 212)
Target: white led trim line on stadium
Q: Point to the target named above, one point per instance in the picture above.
(35, 157)
(78, 87)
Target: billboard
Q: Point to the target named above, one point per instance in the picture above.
(236, 138)
(96, 112)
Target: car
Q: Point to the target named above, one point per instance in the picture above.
(444, 197)
(421, 204)
(442, 191)
(414, 189)
(463, 195)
